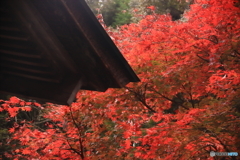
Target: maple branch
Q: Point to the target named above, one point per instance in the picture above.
(207, 148)
(190, 95)
(42, 148)
(197, 48)
(211, 38)
(171, 100)
(146, 105)
(236, 52)
(71, 148)
(203, 58)
(46, 120)
(42, 130)
(141, 98)
(79, 132)
(224, 146)
(211, 133)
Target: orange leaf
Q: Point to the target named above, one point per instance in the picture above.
(26, 151)
(14, 100)
(13, 111)
(11, 130)
(128, 144)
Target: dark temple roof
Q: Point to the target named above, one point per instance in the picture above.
(50, 49)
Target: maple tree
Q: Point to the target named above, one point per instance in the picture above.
(186, 105)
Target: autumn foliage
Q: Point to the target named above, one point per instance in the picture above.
(187, 103)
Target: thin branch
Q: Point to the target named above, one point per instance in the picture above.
(46, 120)
(203, 58)
(190, 95)
(80, 135)
(197, 48)
(71, 148)
(169, 99)
(141, 98)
